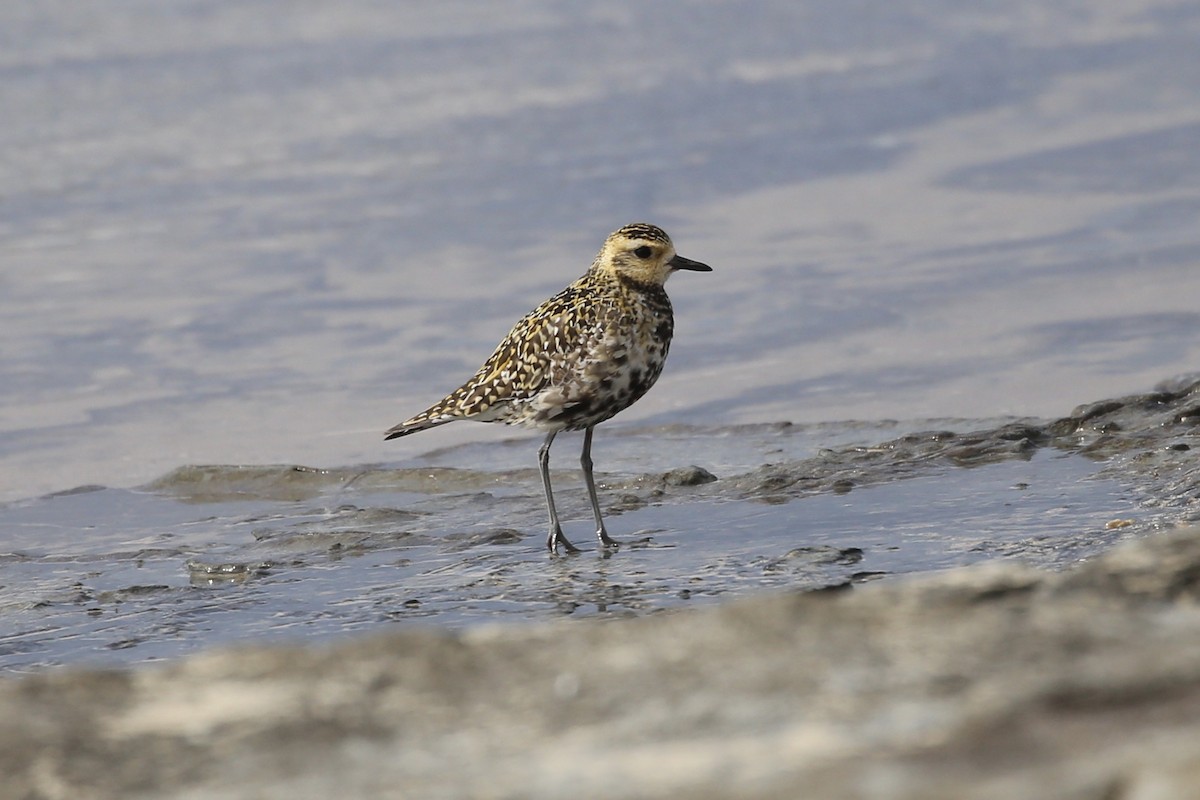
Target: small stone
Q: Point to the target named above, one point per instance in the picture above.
(688, 476)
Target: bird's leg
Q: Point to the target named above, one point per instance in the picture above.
(556, 535)
(585, 461)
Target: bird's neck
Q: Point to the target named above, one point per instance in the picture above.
(631, 283)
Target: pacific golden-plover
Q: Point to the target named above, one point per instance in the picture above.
(579, 358)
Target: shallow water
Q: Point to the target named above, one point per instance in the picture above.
(217, 555)
(263, 233)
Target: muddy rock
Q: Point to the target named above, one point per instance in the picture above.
(1144, 436)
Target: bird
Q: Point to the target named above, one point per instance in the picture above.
(578, 359)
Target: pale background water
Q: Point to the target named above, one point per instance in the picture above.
(263, 232)
(248, 232)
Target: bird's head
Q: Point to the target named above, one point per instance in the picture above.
(643, 253)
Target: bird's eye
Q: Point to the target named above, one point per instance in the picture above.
(643, 252)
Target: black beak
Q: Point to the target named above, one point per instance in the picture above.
(679, 262)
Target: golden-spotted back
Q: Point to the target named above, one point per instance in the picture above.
(585, 354)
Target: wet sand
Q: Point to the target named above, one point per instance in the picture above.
(983, 682)
(1077, 680)
(210, 555)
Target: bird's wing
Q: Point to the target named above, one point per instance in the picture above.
(543, 343)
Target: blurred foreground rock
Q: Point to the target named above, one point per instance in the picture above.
(990, 682)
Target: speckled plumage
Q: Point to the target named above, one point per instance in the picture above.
(579, 358)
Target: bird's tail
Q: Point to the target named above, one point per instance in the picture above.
(462, 403)
(423, 421)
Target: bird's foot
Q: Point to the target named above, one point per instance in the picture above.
(606, 541)
(556, 540)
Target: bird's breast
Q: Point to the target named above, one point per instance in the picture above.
(619, 358)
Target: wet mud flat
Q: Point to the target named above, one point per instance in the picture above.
(988, 681)
(214, 555)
